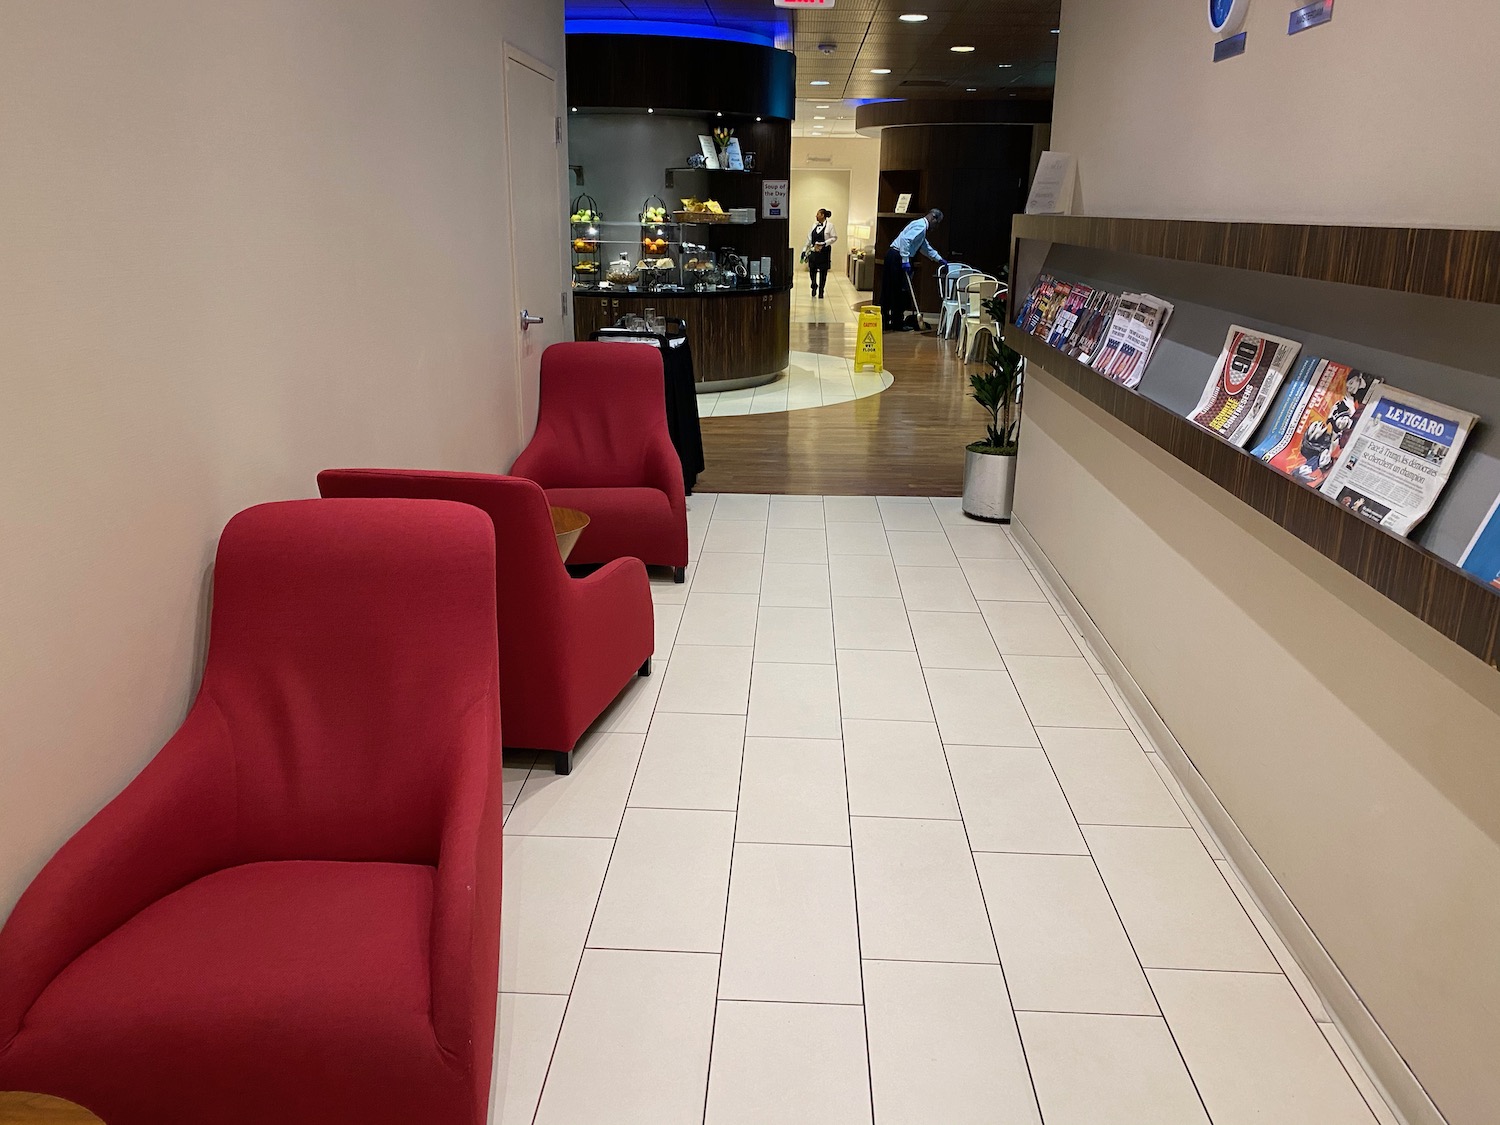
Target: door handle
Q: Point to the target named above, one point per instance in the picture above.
(527, 320)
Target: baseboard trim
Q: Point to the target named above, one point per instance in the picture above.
(1398, 1085)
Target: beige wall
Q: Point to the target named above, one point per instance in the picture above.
(238, 242)
(1386, 116)
(861, 156)
(1353, 746)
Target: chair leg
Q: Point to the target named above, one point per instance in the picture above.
(645, 668)
(562, 762)
(679, 574)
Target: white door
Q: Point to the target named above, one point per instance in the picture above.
(532, 156)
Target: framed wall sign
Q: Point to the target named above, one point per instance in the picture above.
(1226, 17)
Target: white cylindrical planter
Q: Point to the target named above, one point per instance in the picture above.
(989, 485)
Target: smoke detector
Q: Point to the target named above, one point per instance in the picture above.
(828, 48)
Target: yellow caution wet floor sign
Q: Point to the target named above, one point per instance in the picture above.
(868, 349)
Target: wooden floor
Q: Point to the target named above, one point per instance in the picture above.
(907, 441)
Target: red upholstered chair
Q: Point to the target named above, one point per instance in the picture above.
(601, 446)
(567, 645)
(292, 914)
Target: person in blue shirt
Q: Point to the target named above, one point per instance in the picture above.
(894, 296)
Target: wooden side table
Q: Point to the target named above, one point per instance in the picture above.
(39, 1109)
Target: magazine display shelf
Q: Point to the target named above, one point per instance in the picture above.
(1457, 264)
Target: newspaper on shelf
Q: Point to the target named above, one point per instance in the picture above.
(1313, 419)
(1246, 377)
(1138, 323)
(1399, 458)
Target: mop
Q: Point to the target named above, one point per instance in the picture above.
(916, 309)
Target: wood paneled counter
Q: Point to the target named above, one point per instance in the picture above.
(739, 337)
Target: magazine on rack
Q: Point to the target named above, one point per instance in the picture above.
(1067, 315)
(1138, 323)
(1048, 305)
(1030, 313)
(1313, 419)
(1398, 458)
(1094, 326)
(1244, 383)
(1481, 557)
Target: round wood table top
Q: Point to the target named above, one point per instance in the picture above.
(40, 1109)
(568, 525)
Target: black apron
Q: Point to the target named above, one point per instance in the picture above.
(819, 259)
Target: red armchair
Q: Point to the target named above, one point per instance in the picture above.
(601, 446)
(293, 913)
(567, 645)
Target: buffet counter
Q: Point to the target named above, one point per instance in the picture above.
(740, 337)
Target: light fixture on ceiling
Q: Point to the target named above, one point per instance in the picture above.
(757, 119)
(880, 70)
(913, 17)
(1057, 31)
(1005, 65)
(820, 107)
(818, 82)
(962, 50)
(971, 89)
(719, 114)
(575, 109)
(820, 118)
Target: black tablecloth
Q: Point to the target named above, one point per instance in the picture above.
(681, 392)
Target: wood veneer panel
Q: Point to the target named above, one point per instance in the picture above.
(1426, 586)
(1463, 265)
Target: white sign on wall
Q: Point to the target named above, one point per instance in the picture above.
(773, 198)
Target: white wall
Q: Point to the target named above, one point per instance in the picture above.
(1386, 115)
(861, 156)
(810, 190)
(239, 242)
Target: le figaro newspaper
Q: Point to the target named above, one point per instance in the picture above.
(1398, 458)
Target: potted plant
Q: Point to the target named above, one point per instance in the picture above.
(990, 465)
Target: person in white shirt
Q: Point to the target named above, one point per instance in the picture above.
(894, 296)
(819, 256)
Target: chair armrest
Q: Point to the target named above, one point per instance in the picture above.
(465, 948)
(537, 463)
(613, 599)
(663, 471)
(176, 822)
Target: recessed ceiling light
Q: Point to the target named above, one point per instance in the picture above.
(971, 89)
(1005, 65)
(961, 50)
(822, 107)
(820, 118)
(913, 17)
(818, 82)
(720, 113)
(649, 110)
(1057, 31)
(575, 109)
(881, 70)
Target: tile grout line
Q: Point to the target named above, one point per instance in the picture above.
(1129, 940)
(728, 888)
(984, 902)
(582, 953)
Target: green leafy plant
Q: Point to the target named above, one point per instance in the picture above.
(998, 389)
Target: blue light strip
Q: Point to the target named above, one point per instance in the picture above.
(671, 30)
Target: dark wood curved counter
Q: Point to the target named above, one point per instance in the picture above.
(739, 337)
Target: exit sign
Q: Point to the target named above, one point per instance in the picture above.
(803, 3)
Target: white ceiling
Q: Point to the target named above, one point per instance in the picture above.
(839, 118)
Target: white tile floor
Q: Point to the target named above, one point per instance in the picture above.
(875, 844)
